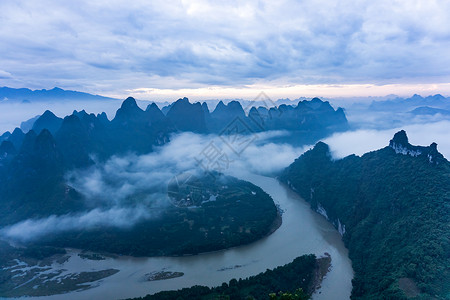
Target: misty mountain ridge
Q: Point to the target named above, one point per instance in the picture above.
(25, 95)
(313, 116)
(56, 145)
(406, 104)
(427, 110)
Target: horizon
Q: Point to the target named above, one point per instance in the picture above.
(196, 98)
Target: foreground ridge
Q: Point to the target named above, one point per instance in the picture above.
(392, 207)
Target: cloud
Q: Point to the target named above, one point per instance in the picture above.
(110, 47)
(128, 189)
(131, 188)
(12, 114)
(364, 140)
(35, 229)
(5, 75)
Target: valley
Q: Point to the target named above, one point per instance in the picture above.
(214, 268)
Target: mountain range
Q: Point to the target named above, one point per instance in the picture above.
(53, 146)
(406, 104)
(25, 95)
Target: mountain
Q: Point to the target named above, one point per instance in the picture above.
(28, 124)
(47, 121)
(306, 122)
(74, 141)
(7, 151)
(5, 136)
(187, 117)
(407, 104)
(154, 113)
(16, 138)
(426, 110)
(129, 114)
(27, 95)
(392, 207)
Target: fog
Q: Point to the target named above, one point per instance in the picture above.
(128, 189)
(114, 217)
(364, 140)
(14, 113)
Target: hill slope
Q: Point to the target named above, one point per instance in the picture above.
(392, 208)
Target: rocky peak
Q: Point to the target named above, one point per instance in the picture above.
(129, 103)
(48, 121)
(17, 138)
(400, 139)
(205, 108)
(401, 145)
(186, 116)
(154, 113)
(235, 105)
(129, 113)
(224, 114)
(220, 106)
(103, 118)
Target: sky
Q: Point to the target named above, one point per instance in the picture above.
(160, 50)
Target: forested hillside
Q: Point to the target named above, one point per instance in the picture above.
(392, 207)
(296, 280)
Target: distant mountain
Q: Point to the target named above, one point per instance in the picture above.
(407, 104)
(426, 110)
(55, 94)
(28, 124)
(392, 207)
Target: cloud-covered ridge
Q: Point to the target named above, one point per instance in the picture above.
(132, 188)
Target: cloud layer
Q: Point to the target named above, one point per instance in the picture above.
(128, 189)
(113, 217)
(115, 46)
(364, 140)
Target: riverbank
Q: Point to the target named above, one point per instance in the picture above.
(302, 232)
(302, 276)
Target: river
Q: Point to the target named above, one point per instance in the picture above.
(302, 232)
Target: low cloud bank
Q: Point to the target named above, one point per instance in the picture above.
(115, 217)
(128, 189)
(361, 141)
(13, 113)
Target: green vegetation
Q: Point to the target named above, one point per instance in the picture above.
(296, 280)
(239, 214)
(395, 209)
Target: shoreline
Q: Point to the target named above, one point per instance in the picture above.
(323, 267)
